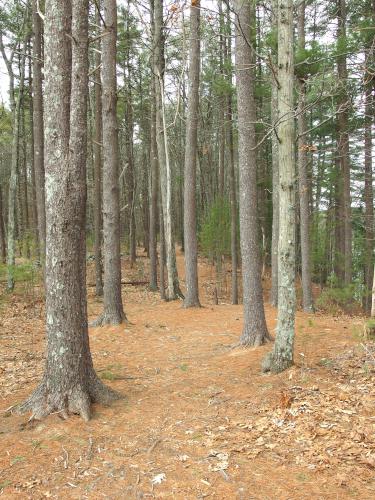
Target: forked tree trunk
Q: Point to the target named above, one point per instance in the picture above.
(255, 330)
(173, 287)
(38, 129)
(307, 298)
(113, 308)
(69, 383)
(98, 165)
(282, 355)
(190, 174)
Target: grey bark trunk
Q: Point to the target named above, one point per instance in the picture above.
(232, 173)
(69, 384)
(2, 231)
(307, 298)
(113, 308)
(38, 128)
(14, 169)
(282, 355)
(255, 330)
(343, 147)
(275, 171)
(98, 165)
(191, 151)
(173, 287)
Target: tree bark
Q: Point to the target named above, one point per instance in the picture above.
(255, 330)
(14, 168)
(38, 128)
(307, 298)
(275, 171)
(69, 383)
(2, 232)
(282, 355)
(191, 151)
(98, 164)
(343, 147)
(173, 287)
(113, 308)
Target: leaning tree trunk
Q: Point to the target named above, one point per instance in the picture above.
(190, 173)
(307, 298)
(38, 129)
(275, 171)
(69, 384)
(173, 287)
(282, 355)
(255, 330)
(98, 165)
(113, 308)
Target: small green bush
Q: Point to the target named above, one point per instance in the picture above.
(337, 300)
(214, 236)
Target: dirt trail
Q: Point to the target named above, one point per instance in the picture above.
(184, 427)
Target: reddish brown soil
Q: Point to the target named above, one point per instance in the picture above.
(195, 410)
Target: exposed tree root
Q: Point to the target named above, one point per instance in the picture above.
(46, 400)
(275, 364)
(254, 339)
(110, 318)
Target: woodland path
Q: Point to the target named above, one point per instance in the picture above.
(197, 415)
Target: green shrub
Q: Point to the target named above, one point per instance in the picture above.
(336, 300)
(214, 235)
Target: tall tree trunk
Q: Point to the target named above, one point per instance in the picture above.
(232, 173)
(255, 329)
(154, 181)
(2, 232)
(190, 174)
(282, 355)
(369, 194)
(173, 288)
(113, 308)
(98, 164)
(307, 298)
(12, 195)
(275, 170)
(69, 383)
(343, 146)
(38, 129)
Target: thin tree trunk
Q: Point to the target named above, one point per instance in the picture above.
(232, 173)
(173, 288)
(154, 181)
(113, 308)
(12, 196)
(307, 298)
(70, 383)
(98, 165)
(255, 330)
(191, 151)
(2, 232)
(275, 171)
(369, 194)
(162, 255)
(343, 146)
(282, 355)
(38, 128)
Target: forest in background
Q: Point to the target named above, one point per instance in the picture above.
(242, 130)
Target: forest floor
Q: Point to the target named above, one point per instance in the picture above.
(198, 419)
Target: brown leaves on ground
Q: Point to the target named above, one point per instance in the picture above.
(199, 419)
